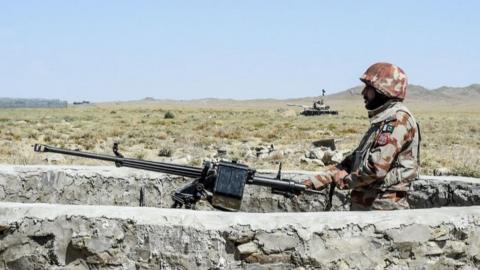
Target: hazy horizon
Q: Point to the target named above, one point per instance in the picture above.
(226, 98)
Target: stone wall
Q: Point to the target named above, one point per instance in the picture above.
(47, 236)
(54, 217)
(96, 185)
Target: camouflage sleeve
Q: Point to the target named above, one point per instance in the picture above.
(321, 179)
(387, 144)
(400, 175)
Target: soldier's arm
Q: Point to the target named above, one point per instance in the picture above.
(388, 143)
(401, 174)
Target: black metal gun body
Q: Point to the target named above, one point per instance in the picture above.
(222, 183)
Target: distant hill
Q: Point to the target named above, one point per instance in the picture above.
(415, 94)
(420, 93)
(472, 91)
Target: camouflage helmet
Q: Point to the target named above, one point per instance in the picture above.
(387, 79)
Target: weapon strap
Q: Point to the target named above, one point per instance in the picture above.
(328, 205)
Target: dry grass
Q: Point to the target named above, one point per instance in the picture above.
(451, 135)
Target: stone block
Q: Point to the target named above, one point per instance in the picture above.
(276, 242)
(415, 233)
(247, 248)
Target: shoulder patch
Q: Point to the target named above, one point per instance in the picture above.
(383, 139)
(388, 128)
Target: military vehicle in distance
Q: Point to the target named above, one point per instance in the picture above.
(319, 107)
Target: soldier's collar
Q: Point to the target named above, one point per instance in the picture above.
(372, 114)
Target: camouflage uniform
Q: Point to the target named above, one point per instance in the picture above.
(380, 169)
(386, 161)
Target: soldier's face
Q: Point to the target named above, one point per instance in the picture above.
(368, 95)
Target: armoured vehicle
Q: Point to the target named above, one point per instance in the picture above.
(319, 108)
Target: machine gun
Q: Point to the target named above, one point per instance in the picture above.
(221, 183)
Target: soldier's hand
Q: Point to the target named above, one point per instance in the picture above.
(339, 178)
(308, 183)
(319, 182)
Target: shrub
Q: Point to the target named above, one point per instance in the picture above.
(165, 152)
(169, 115)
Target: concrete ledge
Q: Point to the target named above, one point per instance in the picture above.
(210, 220)
(48, 236)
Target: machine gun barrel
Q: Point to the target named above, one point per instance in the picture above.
(284, 185)
(180, 170)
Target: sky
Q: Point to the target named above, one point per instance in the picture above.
(127, 50)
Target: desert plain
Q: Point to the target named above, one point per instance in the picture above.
(192, 131)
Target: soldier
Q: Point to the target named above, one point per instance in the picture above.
(381, 168)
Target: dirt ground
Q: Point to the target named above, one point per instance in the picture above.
(198, 130)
